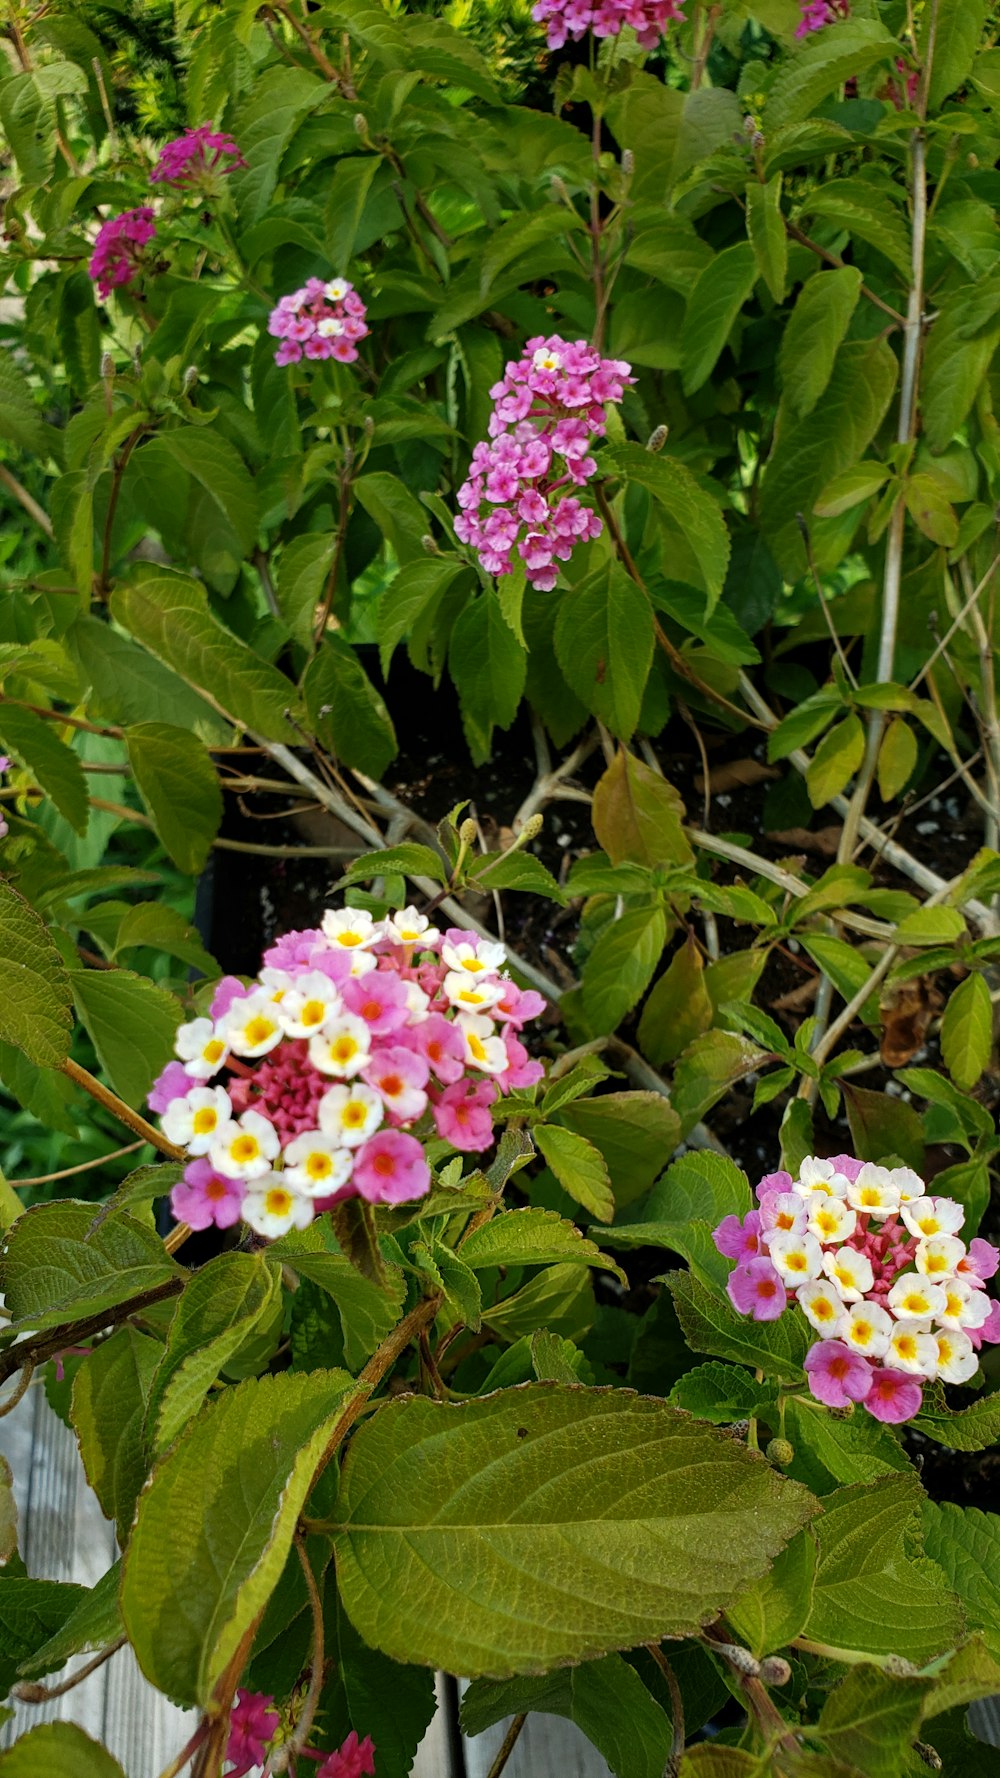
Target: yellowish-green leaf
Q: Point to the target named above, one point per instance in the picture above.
(967, 1031)
(835, 760)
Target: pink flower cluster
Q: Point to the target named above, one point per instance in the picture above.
(573, 18)
(117, 257)
(322, 320)
(4, 767)
(186, 162)
(818, 13)
(547, 412)
(301, 1089)
(252, 1726)
(878, 1270)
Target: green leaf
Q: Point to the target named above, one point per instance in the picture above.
(517, 870)
(637, 815)
(604, 645)
(414, 595)
(678, 1009)
(58, 1747)
(57, 1266)
(132, 1024)
(850, 489)
(367, 1311)
(130, 686)
(713, 1326)
(579, 1167)
(606, 1699)
(871, 1719)
(110, 1391)
(601, 1501)
(533, 1238)
(829, 1452)
(157, 924)
(345, 711)
(958, 28)
(217, 467)
(700, 1185)
(966, 1429)
(835, 760)
(560, 1298)
(775, 1609)
(347, 194)
(408, 860)
(766, 229)
(818, 67)
(720, 1393)
(967, 1031)
(804, 723)
(168, 613)
(215, 1526)
(971, 1672)
(814, 333)
(707, 1069)
(488, 666)
(930, 926)
(965, 1543)
(930, 511)
(872, 1594)
(635, 1132)
(713, 305)
(219, 1312)
(959, 351)
(882, 1126)
(35, 1010)
(21, 418)
(178, 785)
(699, 542)
(302, 576)
(897, 759)
(92, 1624)
(868, 212)
(397, 513)
(54, 766)
(621, 965)
(364, 1689)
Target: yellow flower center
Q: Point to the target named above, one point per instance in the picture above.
(313, 1013)
(343, 1048)
(350, 939)
(353, 1115)
(214, 1050)
(246, 1148)
(472, 964)
(204, 1120)
(258, 1030)
(477, 1047)
(318, 1166)
(278, 1201)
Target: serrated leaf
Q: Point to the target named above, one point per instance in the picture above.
(835, 761)
(56, 1266)
(130, 686)
(714, 303)
(409, 859)
(169, 614)
(637, 815)
(692, 518)
(621, 965)
(215, 1525)
(713, 1326)
(967, 1031)
(964, 1429)
(217, 466)
(829, 1452)
(579, 1167)
(367, 1311)
(220, 1309)
(882, 1126)
(346, 712)
(840, 52)
(533, 1237)
(635, 1132)
(489, 666)
(158, 924)
(302, 576)
(364, 1688)
(517, 870)
(110, 1392)
(627, 1551)
(58, 1747)
(773, 1612)
(132, 1024)
(604, 645)
(35, 1010)
(965, 1543)
(606, 1699)
(850, 489)
(766, 228)
(871, 1718)
(930, 511)
(93, 1623)
(53, 765)
(930, 926)
(813, 335)
(707, 1069)
(178, 784)
(720, 1393)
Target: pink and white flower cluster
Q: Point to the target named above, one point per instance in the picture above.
(118, 257)
(253, 1725)
(573, 18)
(877, 1268)
(300, 1089)
(195, 158)
(548, 410)
(818, 13)
(322, 320)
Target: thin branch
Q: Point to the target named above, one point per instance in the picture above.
(82, 1167)
(40, 1347)
(133, 1120)
(303, 1727)
(30, 505)
(678, 1735)
(796, 234)
(783, 879)
(19, 1391)
(507, 1745)
(187, 1752)
(262, 851)
(30, 1693)
(943, 641)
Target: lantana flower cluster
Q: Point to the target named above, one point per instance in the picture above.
(876, 1266)
(302, 1088)
(574, 18)
(818, 13)
(190, 162)
(253, 1726)
(548, 410)
(322, 320)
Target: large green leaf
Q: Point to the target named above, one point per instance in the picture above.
(606, 1699)
(488, 666)
(30, 1612)
(58, 1264)
(21, 419)
(958, 28)
(346, 713)
(712, 1325)
(132, 1024)
(215, 1525)
(35, 1010)
(368, 1693)
(697, 547)
(772, 1613)
(604, 645)
(830, 1452)
(635, 1132)
(871, 1719)
(872, 1593)
(217, 467)
(959, 351)
(367, 1311)
(621, 965)
(58, 1748)
(178, 785)
(766, 229)
(532, 1238)
(92, 1624)
(130, 686)
(54, 765)
(637, 815)
(547, 1524)
(713, 305)
(707, 1069)
(219, 1311)
(700, 1184)
(579, 1167)
(110, 1392)
(840, 52)
(967, 1031)
(814, 333)
(168, 613)
(965, 1543)
(679, 1008)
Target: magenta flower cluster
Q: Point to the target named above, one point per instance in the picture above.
(325, 319)
(574, 18)
(322, 1079)
(118, 255)
(196, 157)
(253, 1724)
(877, 1267)
(818, 13)
(548, 410)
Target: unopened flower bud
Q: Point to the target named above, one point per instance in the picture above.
(360, 124)
(368, 426)
(898, 1667)
(749, 125)
(844, 1413)
(775, 1670)
(137, 359)
(781, 1452)
(740, 1659)
(190, 377)
(468, 831)
(657, 438)
(972, 160)
(429, 544)
(929, 1755)
(628, 163)
(532, 828)
(107, 366)
(559, 189)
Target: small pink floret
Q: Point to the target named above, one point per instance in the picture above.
(837, 1375)
(756, 1289)
(390, 1168)
(894, 1396)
